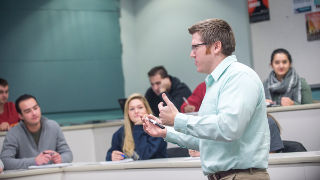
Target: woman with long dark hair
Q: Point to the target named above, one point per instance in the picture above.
(284, 86)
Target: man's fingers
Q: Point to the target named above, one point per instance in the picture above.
(150, 116)
(160, 106)
(166, 99)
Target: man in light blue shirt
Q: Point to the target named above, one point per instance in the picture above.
(231, 130)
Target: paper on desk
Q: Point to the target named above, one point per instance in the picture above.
(192, 158)
(50, 166)
(117, 162)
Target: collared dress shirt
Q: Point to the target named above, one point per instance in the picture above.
(231, 130)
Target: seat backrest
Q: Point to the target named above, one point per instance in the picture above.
(293, 146)
(177, 152)
(122, 102)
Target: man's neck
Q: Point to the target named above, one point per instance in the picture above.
(217, 61)
(33, 128)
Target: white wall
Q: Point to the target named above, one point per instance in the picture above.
(286, 30)
(154, 32)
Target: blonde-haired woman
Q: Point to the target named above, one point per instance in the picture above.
(130, 141)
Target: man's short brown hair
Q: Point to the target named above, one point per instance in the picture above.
(213, 30)
(3, 82)
(158, 70)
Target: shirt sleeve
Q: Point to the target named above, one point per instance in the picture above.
(306, 94)
(238, 98)
(116, 144)
(181, 139)
(9, 152)
(63, 148)
(182, 107)
(196, 97)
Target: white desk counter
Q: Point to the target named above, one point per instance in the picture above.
(34, 174)
(303, 165)
(293, 108)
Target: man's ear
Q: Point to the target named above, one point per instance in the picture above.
(217, 47)
(20, 116)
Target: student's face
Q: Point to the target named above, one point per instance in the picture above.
(4, 94)
(280, 64)
(30, 112)
(203, 61)
(155, 82)
(136, 111)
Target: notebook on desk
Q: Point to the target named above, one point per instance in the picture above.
(122, 102)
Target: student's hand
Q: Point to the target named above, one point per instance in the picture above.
(165, 85)
(194, 153)
(167, 113)
(189, 108)
(152, 129)
(5, 126)
(285, 101)
(117, 155)
(1, 169)
(55, 156)
(269, 101)
(43, 158)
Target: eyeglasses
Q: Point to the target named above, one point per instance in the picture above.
(195, 46)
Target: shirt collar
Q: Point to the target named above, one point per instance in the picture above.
(218, 71)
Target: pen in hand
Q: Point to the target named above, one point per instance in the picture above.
(185, 100)
(155, 123)
(50, 153)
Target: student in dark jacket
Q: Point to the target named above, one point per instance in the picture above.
(130, 141)
(161, 82)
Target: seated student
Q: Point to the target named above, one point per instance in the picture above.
(161, 82)
(284, 86)
(276, 143)
(8, 114)
(130, 140)
(194, 101)
(36, 140)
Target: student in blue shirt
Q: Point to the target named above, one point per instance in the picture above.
(231, 130)
(130, 141)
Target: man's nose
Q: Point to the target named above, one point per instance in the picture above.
(33, 112)
(157, 86)
(192, 54)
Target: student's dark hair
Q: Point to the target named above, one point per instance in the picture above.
(22, 98)
(158, 70)
(3, 82)
(281, 50)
